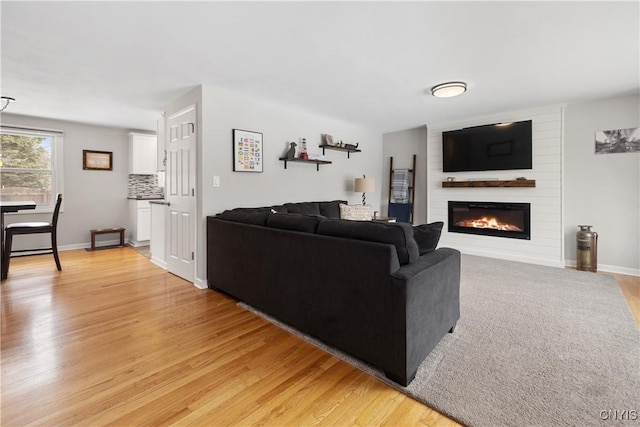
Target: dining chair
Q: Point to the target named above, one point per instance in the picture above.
(19, 228)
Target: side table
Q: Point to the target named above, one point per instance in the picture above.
(384, 219)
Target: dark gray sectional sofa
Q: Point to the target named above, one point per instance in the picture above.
(359, 286)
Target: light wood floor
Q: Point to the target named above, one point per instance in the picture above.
(115, 340)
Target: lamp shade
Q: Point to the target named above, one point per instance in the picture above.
(364, 185)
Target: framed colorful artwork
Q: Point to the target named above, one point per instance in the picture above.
(247, 151)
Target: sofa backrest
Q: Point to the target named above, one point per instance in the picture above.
(254, 216)
(323, 218)
(327, 209)
(398, 234)
(294, 222)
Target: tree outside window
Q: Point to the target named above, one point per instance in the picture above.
(26, 167)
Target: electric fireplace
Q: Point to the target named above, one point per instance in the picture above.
(511, 220)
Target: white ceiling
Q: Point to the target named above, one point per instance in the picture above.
(120, 63)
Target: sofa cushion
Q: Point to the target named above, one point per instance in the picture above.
(294, 222)
(331, 209)
(427, 236)
(398, 234)
(303, 208)
(355, 212)
(253, 216)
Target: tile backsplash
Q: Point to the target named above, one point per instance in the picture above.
(145, 186)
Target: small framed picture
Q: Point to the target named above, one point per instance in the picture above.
(97, 160)
(328, 139)
(247, 151)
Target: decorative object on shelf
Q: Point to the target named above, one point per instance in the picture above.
(351, 146)
(97, 160)
(247, 151)
(618, 141)
(303, 149)
(291, 152)
(327, 139)
(364, 185)
(339, 148)
(451, 178)
(449, 89)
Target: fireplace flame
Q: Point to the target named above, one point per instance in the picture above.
(485, 222)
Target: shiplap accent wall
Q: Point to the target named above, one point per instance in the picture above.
(546, 244)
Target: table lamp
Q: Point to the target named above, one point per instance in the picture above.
(364, 185)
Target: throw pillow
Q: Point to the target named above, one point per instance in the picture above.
(355, 212)
(427, 236)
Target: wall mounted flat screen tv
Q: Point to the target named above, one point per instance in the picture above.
(502, 146)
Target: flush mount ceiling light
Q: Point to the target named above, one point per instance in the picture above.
(449, 89)
(5, 102)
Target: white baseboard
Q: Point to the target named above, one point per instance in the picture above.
(509, 257)
(200, 283)
(88, 245)
(137, 244)
(159, 262)
(609, 268)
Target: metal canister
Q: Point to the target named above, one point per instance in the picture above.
(587, 253)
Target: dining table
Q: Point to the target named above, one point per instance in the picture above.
(9, 207)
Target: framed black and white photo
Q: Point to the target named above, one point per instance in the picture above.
(247, 151)
(618, 141)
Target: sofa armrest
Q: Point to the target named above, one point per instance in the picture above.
(426, 301)
(425, 262)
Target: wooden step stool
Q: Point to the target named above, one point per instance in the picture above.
(106, 231)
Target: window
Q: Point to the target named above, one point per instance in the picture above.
(31, 166)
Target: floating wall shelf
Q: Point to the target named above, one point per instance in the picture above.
(529, 183)
(317, 162)
(334, 147)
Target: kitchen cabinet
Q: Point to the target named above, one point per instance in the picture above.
(139, 222)
(143, 153)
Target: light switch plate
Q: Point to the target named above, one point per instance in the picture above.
(216, 181)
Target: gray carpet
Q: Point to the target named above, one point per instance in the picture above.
(534, 345)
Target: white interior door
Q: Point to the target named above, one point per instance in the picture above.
(180, 186)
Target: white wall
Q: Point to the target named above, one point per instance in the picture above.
(91, 199)
(546, 244)
(222, 110)
(402, 146)
(603, 190)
